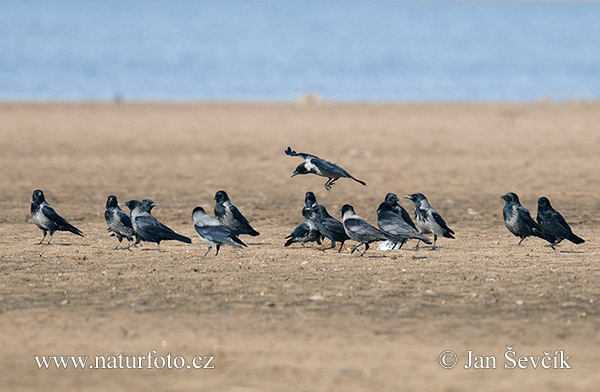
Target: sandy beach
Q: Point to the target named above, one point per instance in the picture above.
(294, 319)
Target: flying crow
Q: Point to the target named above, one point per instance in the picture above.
(320, 167)
(213, 232)
(47, 219)
(230, 216)
(429, 221)
(518, 220)
(395, 227)
(147, 227)
(553, 225)
(329, 227)
(360, 230)
(118, 221)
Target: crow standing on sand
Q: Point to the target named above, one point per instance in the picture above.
(47, 219)
(147, 227)
(118, 221)
(230, 216)
(329, 227)
(395, 227)
(518, 220)
(213, 232)
(360, 230)
(392, 201)
(429, 221)
(553, 225)
(307, 231)
(320, 167)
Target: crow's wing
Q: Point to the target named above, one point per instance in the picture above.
(440, 221)
(213, 233)
(303, 155)
(525, 217)
(391, 223)
(330, 169)
(59, 220)
(362, 227)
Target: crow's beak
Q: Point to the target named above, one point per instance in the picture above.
(409, 197)
(154, 204)
(293, 174)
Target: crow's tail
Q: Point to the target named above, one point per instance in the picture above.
(235, 239)
(359, 181)
(574, 239)
(179, 237)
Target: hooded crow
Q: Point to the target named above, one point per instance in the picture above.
(518, 220)
(360, 230)
(147, 227)
(429, 221)
(47, 219)
(213, 232)
(553, 225)
(395, 227)
(392, 200)
(320, 167)
(329, 227)
(307, 231)
(230, 216)
(118, 221)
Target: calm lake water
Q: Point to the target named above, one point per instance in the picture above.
(279, 50)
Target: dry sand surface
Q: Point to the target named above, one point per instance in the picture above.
(293, 319)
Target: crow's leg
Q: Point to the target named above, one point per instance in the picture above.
(366, 249)
(42, 240)
(208, 250)
(521, 240)
(218, 247)
(331, 247)
(341, 246)
(353, 249)
(50, 239)
(119, 244)
(434, 240)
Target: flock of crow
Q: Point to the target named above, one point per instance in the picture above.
(394, 222)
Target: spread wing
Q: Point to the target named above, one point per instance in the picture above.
(302, 155)
(328, 167)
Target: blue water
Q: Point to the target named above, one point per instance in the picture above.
(279, 50)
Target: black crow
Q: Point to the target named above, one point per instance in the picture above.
(553, 225)
(213, 232)
(230, 216)
(47, 219)
(393, 201)
(518, 220)
(360, 230)
(320, 167)
(118, 221)
(307, 231)
(395, 227)
(329, 227)
(148, 228)
(429, 221)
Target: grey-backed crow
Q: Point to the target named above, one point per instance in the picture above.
(320, 167)
(47, 219)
